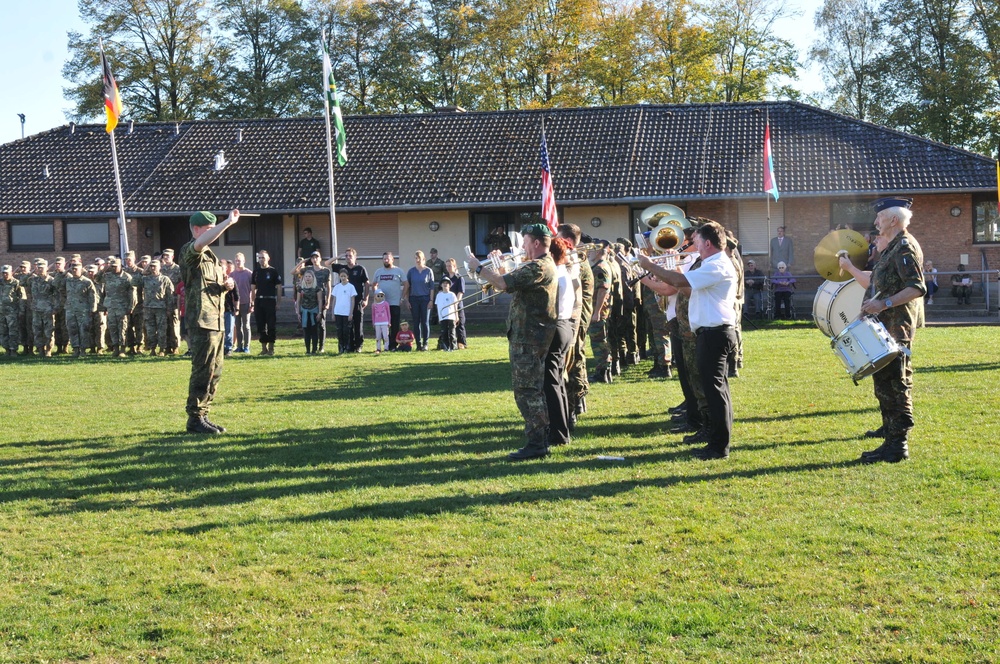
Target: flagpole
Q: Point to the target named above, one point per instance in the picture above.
(767, 123)
(329, 163)
(122, 235)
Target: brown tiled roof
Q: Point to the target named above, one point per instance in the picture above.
(619, 154)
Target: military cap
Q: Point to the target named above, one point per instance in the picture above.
(130, 254)
(59, 259)
(625, 243)
(536, 230)
(99, 261)
(145, 257)
(890, 202)
(91, 268)
(75, 263)
(6, 268)
(154, 262)
(25, 263)
(76, 257)
(41, 261)
(316, 253)
(203, 219)
(167, 251)
(115, 262)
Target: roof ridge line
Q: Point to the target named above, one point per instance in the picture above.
(153, 170)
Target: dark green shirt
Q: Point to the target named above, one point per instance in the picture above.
(533, 308)
(204, 287)
(899, 267)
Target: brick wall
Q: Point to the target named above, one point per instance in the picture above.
(136, 239)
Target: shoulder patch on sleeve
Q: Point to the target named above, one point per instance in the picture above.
(904, 242)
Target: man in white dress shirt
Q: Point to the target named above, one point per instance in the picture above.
(713, 315)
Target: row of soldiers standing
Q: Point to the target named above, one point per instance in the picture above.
(124, 307)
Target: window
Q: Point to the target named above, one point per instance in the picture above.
(238, 234)
(32, 236)
(986, 221)
(483, 223)
(86, 235)
(756, 230)
(854, 215)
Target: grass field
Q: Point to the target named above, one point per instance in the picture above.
(361, 510)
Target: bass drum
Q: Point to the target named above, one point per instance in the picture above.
(836, 305)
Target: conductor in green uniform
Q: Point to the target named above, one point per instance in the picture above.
(205, 286)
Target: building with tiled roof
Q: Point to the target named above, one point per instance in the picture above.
(446, 179)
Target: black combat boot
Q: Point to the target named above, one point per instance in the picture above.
(876, 433)
(197, 424)
(894, 450)
(658, 371)
(217, 427)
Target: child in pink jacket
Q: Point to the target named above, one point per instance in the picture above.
(380, 319)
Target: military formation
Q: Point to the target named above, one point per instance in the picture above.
(120, 308)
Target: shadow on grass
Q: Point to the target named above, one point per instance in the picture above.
(958, 368)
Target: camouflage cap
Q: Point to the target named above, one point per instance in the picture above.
(91, 268)
(59, 259)
(6, 268)
(154, 262)
(203, 219)
(167, 252)
(75, 264)
(25, 263)
(42, 262)
(115, 262)
(130, 254)
(76, 257)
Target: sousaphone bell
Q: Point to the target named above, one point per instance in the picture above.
(666, 226)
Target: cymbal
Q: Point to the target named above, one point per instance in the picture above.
(826, 257)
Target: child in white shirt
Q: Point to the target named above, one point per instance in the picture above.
(447, 307)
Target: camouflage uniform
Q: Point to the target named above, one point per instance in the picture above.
(598, 329)
(81, 303)
(900, 267)
(204, 282)
(530, 328)
(136, 337)
(656, 318)
(627, 330)
(99, 327)
(616, 343)
(157, 291)
(736, 359)
(119, 300)
(61, 324)
(173, 341)
(44, 300)
(24, 331)
(577, 386)
(11, 296)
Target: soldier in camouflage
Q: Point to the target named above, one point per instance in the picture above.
(172, 271)
(897, 284)
(44, 300)
(530, 329)
(157, 291)
(136, 330)
(24, 332)
(59, 275)
(659, 343)
(81, 303)
(11, 295)
(598, 322)
(119, 300)
(205, 286)
(577, 386)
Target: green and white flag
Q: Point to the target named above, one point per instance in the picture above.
(333, 113)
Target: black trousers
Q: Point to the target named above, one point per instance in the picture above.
(554, 385)
(266, 311)
(393, 325)
(357, 330)
(712, 349)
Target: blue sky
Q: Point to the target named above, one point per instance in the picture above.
(33, 51)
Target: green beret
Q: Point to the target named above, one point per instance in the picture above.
(537, 230)
(202, 219)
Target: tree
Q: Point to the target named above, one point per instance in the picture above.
(161, 52)
(272, 55)
(681, 68)
(446, 41)
(848, 51)
(748, 55)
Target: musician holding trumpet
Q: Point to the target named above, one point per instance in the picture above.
(531, 327)
(897, 281)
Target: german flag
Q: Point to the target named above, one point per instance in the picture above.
(112, 100)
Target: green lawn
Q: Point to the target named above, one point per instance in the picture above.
(361, 510)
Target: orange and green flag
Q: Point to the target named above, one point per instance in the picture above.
(112, 100)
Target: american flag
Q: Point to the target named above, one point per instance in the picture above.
(549, 213)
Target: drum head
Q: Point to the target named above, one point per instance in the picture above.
(836, 305)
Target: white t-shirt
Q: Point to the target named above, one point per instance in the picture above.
(445, 303)
(566, 297)
(713, 292)
(343, 293)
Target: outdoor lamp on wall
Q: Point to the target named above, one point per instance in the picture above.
(956, 211)
(148, 232)
(434, 226)
(595, 222)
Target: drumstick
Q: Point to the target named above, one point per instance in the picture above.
(842, 254)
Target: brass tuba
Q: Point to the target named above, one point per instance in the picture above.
(666, 223)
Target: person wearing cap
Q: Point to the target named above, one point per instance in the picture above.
(753, 280)
(782, 250)
(25, 333)
(11, 295)
(897, 282)
(172, 271)
(530, 329)
(712, 315)
(135, 336)
(627, 332)
(119, 301)
(783, 283)
(308, 244)
(265, 289)
(99, 328)
(81, 303)
(205, 285)
(44, 301)
(157, 290)
(59, 275)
